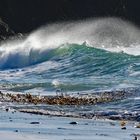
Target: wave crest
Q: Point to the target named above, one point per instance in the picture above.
(106, 33)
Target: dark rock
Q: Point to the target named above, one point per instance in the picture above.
(101, 134)
(16, 130)
(62, 128)
(7, 109)
(138, 118)
(109, 113)
(5, 31)
(73, 122)
(115, 117)
(35, 123)
(123, 128)
(136, 136)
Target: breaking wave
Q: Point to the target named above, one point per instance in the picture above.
(111, 34)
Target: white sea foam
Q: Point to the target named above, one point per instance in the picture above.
(132, 49)
(56, 82)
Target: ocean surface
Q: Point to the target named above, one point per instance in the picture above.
(79, 57)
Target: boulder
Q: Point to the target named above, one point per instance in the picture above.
(5, 31)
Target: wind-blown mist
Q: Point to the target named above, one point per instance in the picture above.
(91, 55)
(108, 33)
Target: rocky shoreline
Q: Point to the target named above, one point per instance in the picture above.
(73, 100)
(6, 33)
(107, 124)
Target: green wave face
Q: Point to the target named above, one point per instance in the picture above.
(79, 68)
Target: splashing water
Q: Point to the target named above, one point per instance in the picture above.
(108, 33)
(83, 56)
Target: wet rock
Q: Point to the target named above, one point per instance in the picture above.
(107, 113)
(138, 118)
(5, 31)
(102, 134)
(136, 136)
(137, 126)
(61, 128)
(7, 109)
(16, 130)
(34, 122)
(123, 128)
(73, 123)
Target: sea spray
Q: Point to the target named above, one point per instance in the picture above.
(107, 33)
(91, 55)
(75, 60)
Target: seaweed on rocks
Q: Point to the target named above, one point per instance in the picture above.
(91, 99)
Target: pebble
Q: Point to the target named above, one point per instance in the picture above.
(123, 128)
(7, 109)
(16, 130)
(73, 122)
(137, 126)
(61, 128)
(34, 122)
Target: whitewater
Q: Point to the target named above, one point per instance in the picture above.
(76, 58)
(95, 54)
(111, 34)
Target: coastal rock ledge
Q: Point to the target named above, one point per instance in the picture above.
(5, 31)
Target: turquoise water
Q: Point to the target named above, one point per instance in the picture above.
(72, 68)
(81, 57)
